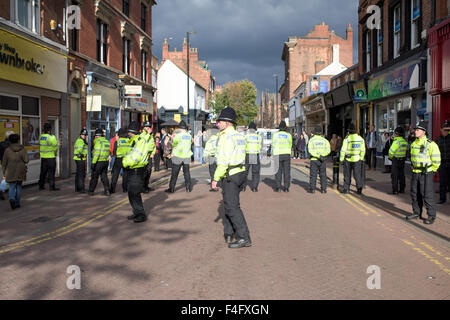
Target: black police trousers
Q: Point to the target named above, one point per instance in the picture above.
(80, 175)
(115, 176)
(176, 167)
(444, 180)
(48, 168)
(234, 221)
(148, 173)
(252, 162)
(101, 170)
(212, 167)
(335, 158)
(135, 186)
(398, 175)
(318, 168)
(284, 170)
(356, 167)
(422, 192)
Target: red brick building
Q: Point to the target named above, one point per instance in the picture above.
(306, 56)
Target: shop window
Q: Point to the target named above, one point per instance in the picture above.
(27, 13)
(368, 52)
(126, 7)
(102, 37)
(30, 136)
(397, 30)
(126, 55)
(143, 17)
(144, 66)
(30, 106)
(415, 19)
(9, 103)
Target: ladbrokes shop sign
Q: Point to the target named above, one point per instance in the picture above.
(25, 62)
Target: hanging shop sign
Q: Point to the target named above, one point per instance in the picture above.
(395, 82)
(32, 64)
(359, 91)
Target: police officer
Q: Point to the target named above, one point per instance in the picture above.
(121, 147)
(210, 154)
(48, 146)
(281, 150)
(319, 148)
(80, 150)
(397, 153)
(231, 173)
(181, 157)
(352, 156)
(443, 142)
(252, 150)
(134, 162)
(425, 161)
(99, 165)
(147, 130)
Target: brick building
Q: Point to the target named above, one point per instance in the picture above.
(393, 62)
(33, 77)
(306, 56)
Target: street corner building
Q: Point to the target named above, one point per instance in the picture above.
(69, 64)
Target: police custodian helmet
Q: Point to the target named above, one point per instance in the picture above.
(83, 132)
(99, 132)
(182, 125)
(227, 114)
(400, 131)
(422, 125)
(133, 127)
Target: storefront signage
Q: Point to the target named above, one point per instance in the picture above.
(359, 92)
(93, 103)
(317, 86)
(177, 117)
(24, 62)
(133, 91)
(395, 82)
(313, 107)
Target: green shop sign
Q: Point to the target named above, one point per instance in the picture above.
(395, 82)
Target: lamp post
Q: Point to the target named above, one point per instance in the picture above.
(276, 97)
(188, 55)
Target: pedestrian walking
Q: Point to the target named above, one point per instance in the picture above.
(198, 146)
(301, 146)
(48, 147)
(281, 150)
(99, 164)
(157, 158)
(147, 130)
(113, 156)
(230, 173)
(295, 146)
(335, 147)
(443, 142)
(388, 140)
(3, 146)
(14, 166)
(134, 164)
(252, 149)
(425, 161)
(80, 151)
(210, 155)
(181, 157)
(121, 147)
(371, 144)
(397, 154)
(319, 149)
(305, 136)
(168, 150)
(352, 157)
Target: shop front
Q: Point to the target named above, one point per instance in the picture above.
(138, 109)
(33, 82)
(315, 113)
(439, 43)
(398, 97)
(341, 108)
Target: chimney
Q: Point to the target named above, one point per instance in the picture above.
(350, 33)
(185, 49)
(194, 54)
(165, 51)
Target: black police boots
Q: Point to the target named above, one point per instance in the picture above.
(170, 190)
(140, 218)
(412, 216)
(429, 220)
(2, 197)
(241, 243)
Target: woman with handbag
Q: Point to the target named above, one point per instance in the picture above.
(14, 166)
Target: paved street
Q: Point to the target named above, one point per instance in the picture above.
(304, 246)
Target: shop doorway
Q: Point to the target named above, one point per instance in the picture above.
(75, 120)
(53, 121)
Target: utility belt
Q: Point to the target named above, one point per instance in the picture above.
(399, 159)
(227, 173)
(423, 170)
(137, 171)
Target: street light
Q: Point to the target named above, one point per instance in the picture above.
(276, 96)
(188, 54)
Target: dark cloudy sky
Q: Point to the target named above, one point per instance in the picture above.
(243, 39)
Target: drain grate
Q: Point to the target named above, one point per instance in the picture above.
(41, 219)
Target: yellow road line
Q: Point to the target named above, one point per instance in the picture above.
(363, 205)
(352, 204)
(427, 256)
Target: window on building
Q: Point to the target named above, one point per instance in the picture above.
(126, 55)
(368, 52)
(415, 28)
(144, 17)
(379, 47)
(397, 30)
(27, 13)
(126, 7)
(102, 45)
(144, 65)
(74, 39)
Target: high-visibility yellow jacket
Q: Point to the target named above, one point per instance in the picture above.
(80, 150)
(48, 146)
(252, 143)
(211, 146)
(353, 148)
(139, 153)
(318, 146)
(230, 153)
(281, 143)
(101, 150)
(123, 147)
(425, 155)
(181, 145)
(398, 148)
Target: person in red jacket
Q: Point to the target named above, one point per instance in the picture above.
(113, 155)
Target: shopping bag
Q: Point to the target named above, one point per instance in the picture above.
(387, 162)
(3, 185)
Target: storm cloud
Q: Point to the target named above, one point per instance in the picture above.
(243, 39)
